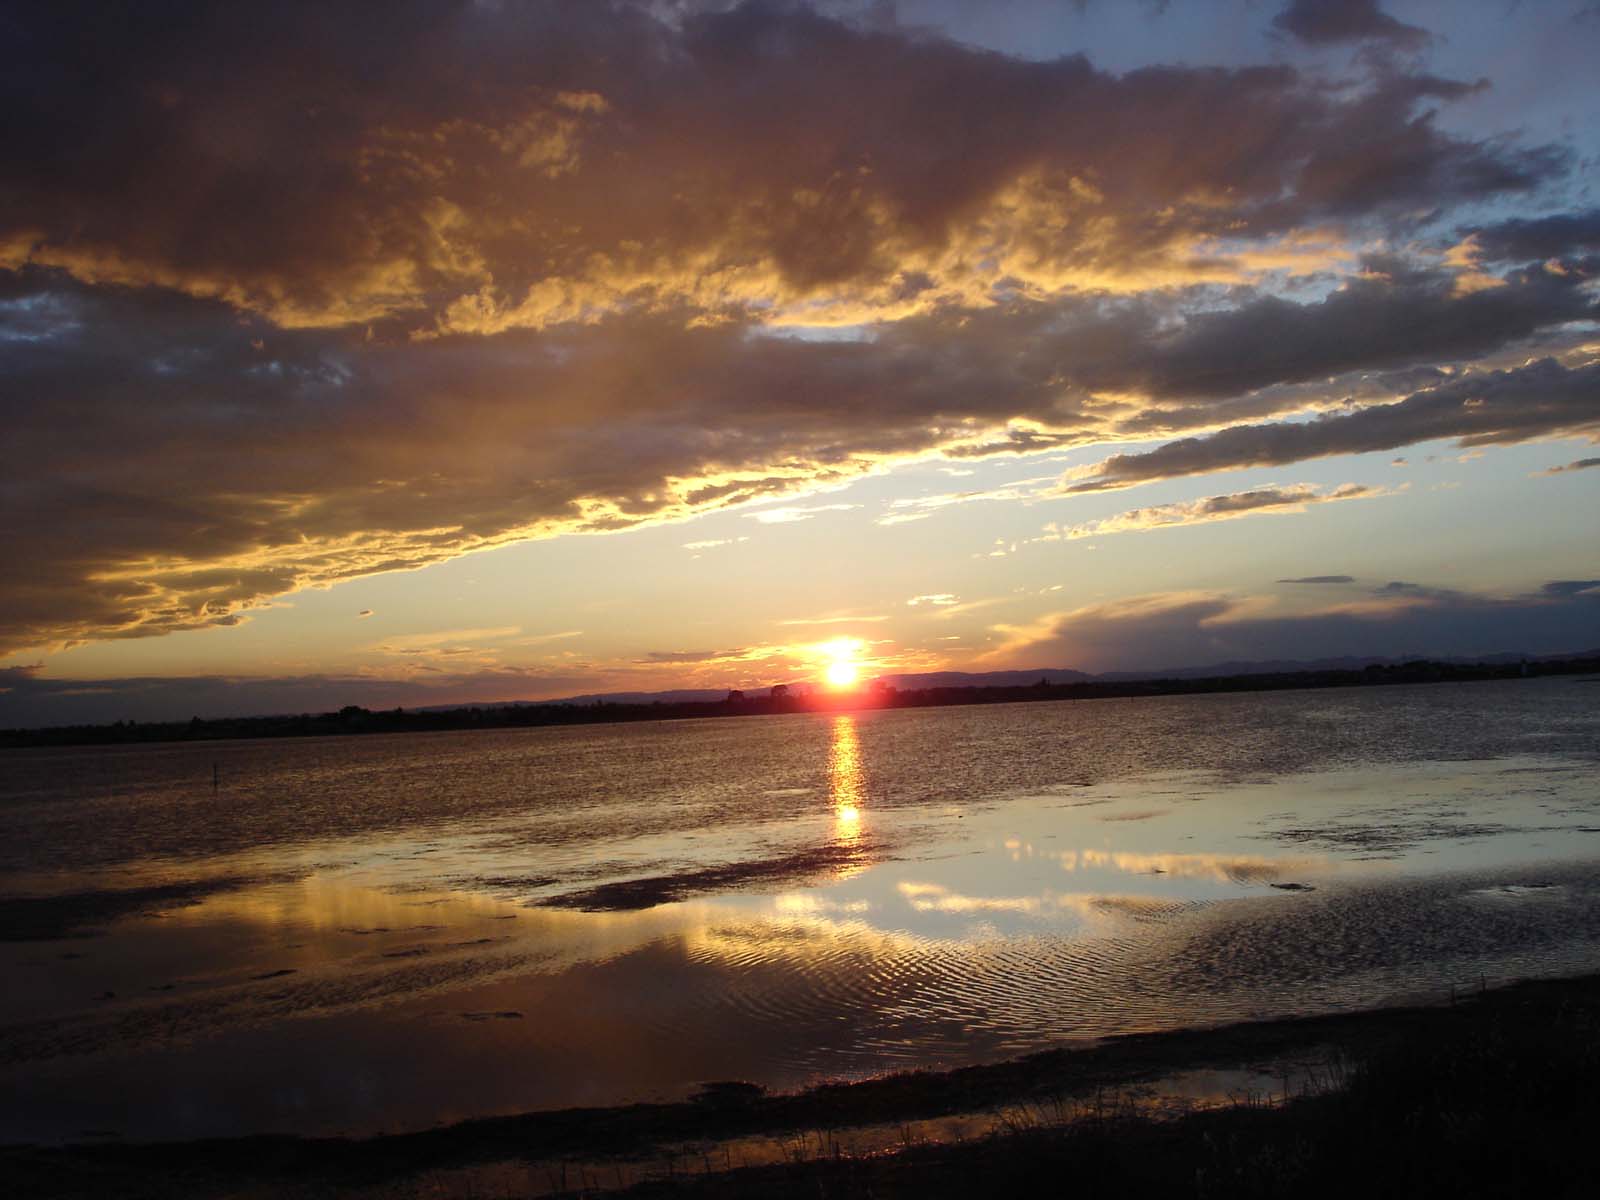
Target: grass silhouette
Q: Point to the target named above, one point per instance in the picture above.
(1494, 1095)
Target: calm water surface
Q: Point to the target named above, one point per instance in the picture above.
(373, 933)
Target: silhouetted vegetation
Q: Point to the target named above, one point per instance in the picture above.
(1494, 1096)
(353, 719)
(1490, 1101)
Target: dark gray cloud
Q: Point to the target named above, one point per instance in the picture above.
(1319, 22)
(1321, 579)
(1525, 238)
(1395, 314)
(1571, 587)
(1261, 498)
(171, 464)
(1542, 399)
(174, 463)
(1194, 629)
(478, 165)
(290, 296)
(1245, 358)
(1582, 464)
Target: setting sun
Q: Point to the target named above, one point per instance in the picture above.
(842, 661)
(704, 551)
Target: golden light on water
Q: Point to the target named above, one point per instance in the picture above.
(845, 782)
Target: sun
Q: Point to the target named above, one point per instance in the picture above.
(840, 660)
(842, 673)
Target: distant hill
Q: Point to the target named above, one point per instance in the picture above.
(680, 696)
(925, 680)
(935, 679)
(1287, 666)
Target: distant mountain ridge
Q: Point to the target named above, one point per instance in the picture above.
(676, 696)
(937, 679)
(918, 681)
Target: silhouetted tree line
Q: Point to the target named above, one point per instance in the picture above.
(354, 719)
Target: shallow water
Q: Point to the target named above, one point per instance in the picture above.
(379, 933)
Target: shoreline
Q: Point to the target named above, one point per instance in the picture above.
(354, 720)
(633, 1141)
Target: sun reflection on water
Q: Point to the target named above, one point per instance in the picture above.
(845, 785)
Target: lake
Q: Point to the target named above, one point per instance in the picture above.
(386, 932)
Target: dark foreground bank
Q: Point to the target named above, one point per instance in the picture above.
(1490, 1095)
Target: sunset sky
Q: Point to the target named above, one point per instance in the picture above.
(447, 352)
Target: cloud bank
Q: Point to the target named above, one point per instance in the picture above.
(1543, 399)
(292, 296)
(1184, 628)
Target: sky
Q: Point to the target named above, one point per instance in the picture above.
(510, 350)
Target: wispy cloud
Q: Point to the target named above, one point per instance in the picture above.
(697, 656)
(917, 508)
(540, 639)
(1232, 506)
(1582, 464)
(793, 513)
(711, 543)
(949, 611)
(410, 643)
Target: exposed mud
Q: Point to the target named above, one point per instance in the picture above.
(87, 913)
(631, 894)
